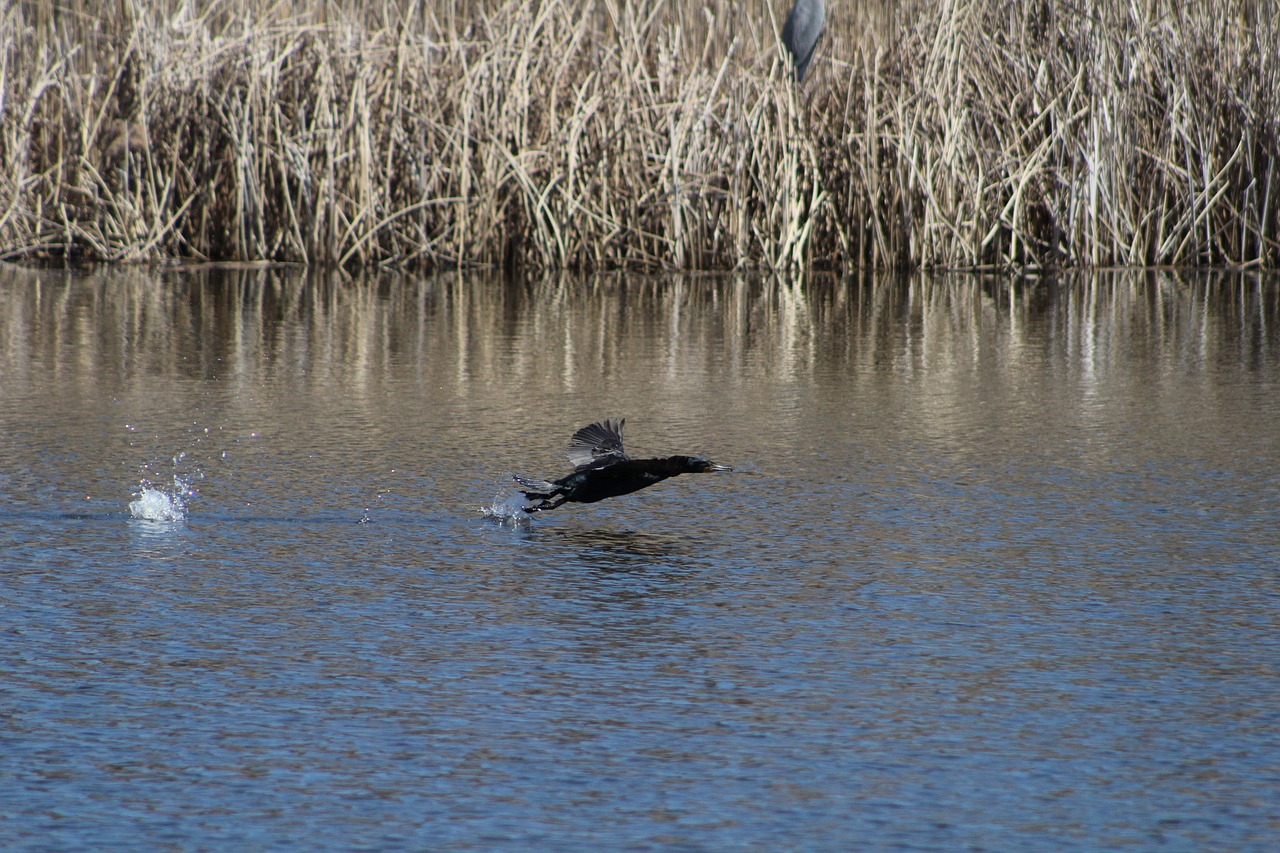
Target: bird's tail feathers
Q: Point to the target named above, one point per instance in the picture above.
(537, 488)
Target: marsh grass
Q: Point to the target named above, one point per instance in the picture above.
(649, 134)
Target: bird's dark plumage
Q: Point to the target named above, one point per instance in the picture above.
(597, 444)
(604, 470)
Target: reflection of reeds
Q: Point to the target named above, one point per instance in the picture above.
(578, 339)
(604, 133)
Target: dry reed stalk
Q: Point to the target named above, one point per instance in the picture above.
(641, 133)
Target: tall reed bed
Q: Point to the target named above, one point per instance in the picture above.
(641, 133)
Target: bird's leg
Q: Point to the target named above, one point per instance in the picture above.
(546, 504)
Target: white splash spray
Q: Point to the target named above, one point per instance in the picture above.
(165, 502)
(507, 511)
(155, 504)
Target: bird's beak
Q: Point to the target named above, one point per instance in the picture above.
(718, 469)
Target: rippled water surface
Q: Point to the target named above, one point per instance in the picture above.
(998, 567)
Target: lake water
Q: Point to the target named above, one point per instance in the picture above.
(998, 567)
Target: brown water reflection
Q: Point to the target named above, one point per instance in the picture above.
(729, 366)
(580, 339)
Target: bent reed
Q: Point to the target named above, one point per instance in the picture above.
(641, 133)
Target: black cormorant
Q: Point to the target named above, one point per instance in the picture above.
(602, 470)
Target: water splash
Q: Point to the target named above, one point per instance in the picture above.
(164, 497)
(168, 486)
(507, 511)
(161, 504)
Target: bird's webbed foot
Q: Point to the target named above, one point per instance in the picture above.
(546, 504)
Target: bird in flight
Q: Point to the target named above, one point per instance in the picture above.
(603, 470)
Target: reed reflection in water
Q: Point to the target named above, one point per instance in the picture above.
(997, 566)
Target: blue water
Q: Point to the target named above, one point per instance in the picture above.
(995, 570)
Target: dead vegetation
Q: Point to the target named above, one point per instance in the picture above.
(606, 133)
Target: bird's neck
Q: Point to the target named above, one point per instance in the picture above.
(672, 465)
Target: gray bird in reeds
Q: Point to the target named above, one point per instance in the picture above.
(801, 30)
(604, 470)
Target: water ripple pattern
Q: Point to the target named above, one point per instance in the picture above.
(996, 568)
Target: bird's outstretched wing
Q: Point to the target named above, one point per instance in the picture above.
(597, 444)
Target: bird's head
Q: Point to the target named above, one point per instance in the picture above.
(699, 465)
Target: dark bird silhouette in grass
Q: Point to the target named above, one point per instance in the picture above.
(801, 30)
(603, 470)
